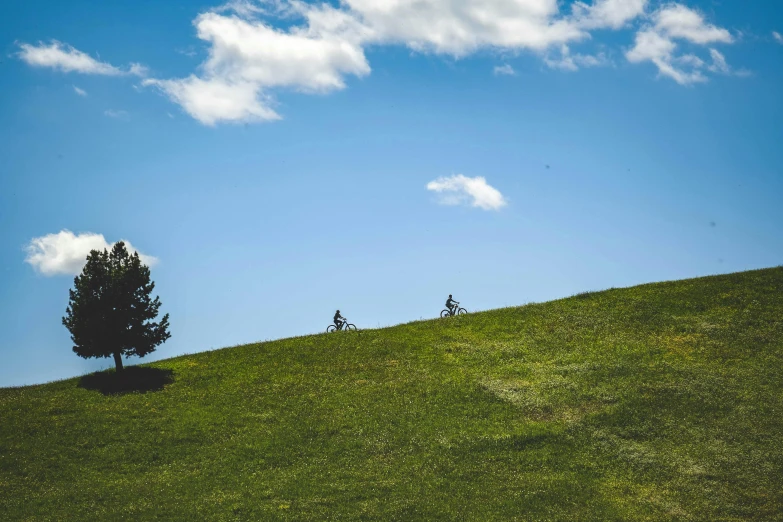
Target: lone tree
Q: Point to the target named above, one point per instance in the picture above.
(110, 312)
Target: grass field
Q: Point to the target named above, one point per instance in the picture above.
(658, 402)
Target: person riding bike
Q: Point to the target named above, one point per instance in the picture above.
(451, 304)
(339, 320)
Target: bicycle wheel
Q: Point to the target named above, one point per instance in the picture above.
(350, 327)
(444, 313)
(461, 311)
(331, 328)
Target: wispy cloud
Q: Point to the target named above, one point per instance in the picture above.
(118, 114)
(504, 70)
(656, 44)
(719, 64)
(573, 62)
(80, 92)
(777, 36)
(462, 190)
(607, 14)
(188, 51)
(65, 253)
(136, 69)
(65, 58)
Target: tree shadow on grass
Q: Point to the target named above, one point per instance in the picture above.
(131, 379)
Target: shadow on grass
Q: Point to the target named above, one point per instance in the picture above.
(131, 379)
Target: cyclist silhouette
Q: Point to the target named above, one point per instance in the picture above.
(338, 320)
(340, 323)
(451, 304)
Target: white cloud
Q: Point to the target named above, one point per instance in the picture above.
(678, 21)
(213, 100)
(572, 62)
(65, 58)
(651, 46)
(257, 47)
(656, 44)
(460, 27)
(777, 36)
(459, 189)
(80, 92)
(505, 70)
(118, 114)
(65, 253)
(248, 58)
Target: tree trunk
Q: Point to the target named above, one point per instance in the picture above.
(118, 361)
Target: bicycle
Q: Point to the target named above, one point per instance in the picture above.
(344, 325)
(449, 313)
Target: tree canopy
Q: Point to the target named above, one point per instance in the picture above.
(110, 311)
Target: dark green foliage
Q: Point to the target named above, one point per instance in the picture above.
(661, 402)
(110, 312)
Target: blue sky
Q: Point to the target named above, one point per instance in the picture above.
(279, 160)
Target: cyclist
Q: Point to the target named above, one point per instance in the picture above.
(339, 320)
(451, 304)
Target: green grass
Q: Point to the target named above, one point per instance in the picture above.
(659, 402)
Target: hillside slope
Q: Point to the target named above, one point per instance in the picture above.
(659, 402)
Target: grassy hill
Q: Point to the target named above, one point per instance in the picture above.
(659, 402)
